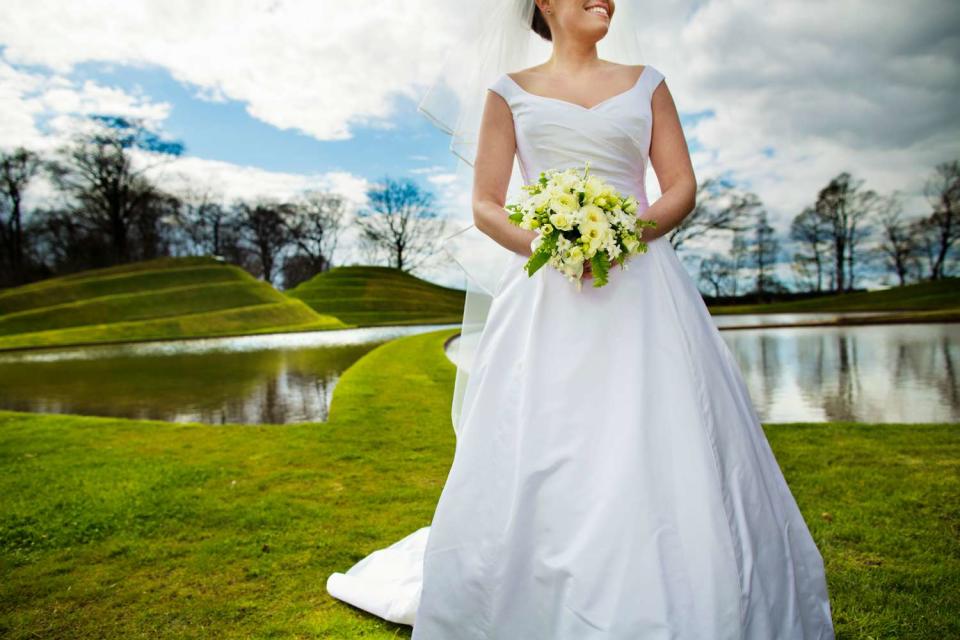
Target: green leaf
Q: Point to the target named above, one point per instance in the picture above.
(542, 254)
(537, 260)
(600, 266)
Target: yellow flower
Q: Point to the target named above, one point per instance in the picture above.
(561, 221)
(591, 214)
(564, 203)
(631, 242)
(592, 187)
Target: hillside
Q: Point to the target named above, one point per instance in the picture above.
(370, 296)
(167, 298)
(940, 297)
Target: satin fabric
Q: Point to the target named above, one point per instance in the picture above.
(611, 478)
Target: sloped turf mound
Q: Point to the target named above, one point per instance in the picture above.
(158, 299)
(371, 295)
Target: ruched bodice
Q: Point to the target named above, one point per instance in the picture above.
(614, 135)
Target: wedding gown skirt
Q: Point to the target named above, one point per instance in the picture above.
(610, 479)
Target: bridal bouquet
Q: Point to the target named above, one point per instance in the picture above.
(578, 218)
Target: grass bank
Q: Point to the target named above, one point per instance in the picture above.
(164, 299)
(127, 528)
(371, 296)
(938, 300)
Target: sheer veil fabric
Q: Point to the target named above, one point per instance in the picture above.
(501, 42)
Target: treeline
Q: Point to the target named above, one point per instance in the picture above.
(849, 232)
(107, 209)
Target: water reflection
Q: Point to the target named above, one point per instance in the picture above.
(871, 373)
(278, 378)
(725, 321)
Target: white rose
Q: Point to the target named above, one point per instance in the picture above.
(562, 221)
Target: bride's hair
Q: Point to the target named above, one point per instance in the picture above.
(539, 24)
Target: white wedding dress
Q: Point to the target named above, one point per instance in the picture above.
(611, 478)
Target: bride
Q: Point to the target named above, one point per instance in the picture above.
(611, 478)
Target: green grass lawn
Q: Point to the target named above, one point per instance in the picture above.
(137, 529)
(371, 295)
(937, 300)
(159, 299)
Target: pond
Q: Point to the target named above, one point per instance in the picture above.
(867, 373)
(276, 378)
(725, 321)
(874, 373)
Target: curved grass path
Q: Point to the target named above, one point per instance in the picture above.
(116, 528)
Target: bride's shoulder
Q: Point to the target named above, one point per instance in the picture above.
(631, 70)
(522, 74)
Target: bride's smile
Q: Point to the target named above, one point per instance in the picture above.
(601, 8)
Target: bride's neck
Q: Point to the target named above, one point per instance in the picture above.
(572, 58)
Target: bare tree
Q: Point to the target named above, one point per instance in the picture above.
(765, 251)
(97, 172)
(401, 222)
(847, 209)
(264, 224)
(811, 233)
(150, 232)
(17, 169)
(943, 191)
(717, 271)
(718, 208)
(203, 219)
(316, 225)
(739, 258)
(898, 243)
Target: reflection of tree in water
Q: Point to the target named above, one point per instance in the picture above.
(264, 405)
(933, 360)
(242, 387)
(311, 394)
(771, 368)
(948, 384)
(902, 373)
(891, 373)
(841, 397)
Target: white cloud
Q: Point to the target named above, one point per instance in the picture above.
(312, 65)
(442, 179)
(431, 169)
(829, 85)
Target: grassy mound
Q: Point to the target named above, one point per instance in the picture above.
(370, 295)
(132, 528)
(158, 299)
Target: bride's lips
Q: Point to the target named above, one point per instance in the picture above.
(601, 3)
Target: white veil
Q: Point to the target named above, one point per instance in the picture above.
(500, 41)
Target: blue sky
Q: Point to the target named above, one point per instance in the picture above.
(224, 130)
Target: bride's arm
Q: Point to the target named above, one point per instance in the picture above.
(671, 161)
(496, 146)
